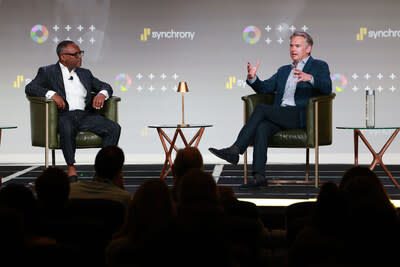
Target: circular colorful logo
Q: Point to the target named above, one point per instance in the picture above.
(123, 81)
(251, 34)
(39, 30)
(341, 79)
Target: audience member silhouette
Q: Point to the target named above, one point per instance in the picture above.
(249, 237)
(12, 241)
(19, 220)
(322, 239)
(372, 222)
(146, 236)
(108, 182)
(186, 159)
(21, 198)
(203, 228)
(52, 190)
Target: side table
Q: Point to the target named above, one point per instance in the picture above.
(4, 127)
(178, 131)
(377, 157)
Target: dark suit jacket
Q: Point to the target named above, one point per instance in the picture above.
(50, 78)
(304, 90)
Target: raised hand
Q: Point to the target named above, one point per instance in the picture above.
(252, 70)
(301, 76)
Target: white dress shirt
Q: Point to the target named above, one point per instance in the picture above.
(74, 90)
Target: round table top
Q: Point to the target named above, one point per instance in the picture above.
(7, 127)
(179, 126)
(368, 128)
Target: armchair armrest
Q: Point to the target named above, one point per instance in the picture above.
(39, 106)
(319, 119)
(251, 101)
(110, 109)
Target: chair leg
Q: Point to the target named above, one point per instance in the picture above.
(245, 166)
(46, 157)
(316, 166)
(53, 157)
(307, 164)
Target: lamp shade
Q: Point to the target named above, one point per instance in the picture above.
(182, 87)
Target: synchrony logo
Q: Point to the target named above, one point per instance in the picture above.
(171, 34)
(377, 34)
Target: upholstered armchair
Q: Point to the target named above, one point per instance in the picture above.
(318, 130)
(44, 120)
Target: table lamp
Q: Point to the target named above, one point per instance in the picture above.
(183, 88)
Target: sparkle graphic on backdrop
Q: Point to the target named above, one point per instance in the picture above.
(39, 34)
(364, 81)
(275, 34)
(151, 82)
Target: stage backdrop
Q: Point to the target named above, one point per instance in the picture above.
(144, 48)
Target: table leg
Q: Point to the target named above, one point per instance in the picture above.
(168, 151)
(356, 147)
(378, 157)
(1, 177)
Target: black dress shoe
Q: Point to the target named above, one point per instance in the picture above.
(254, 185)
(226, 154)
(73, 178)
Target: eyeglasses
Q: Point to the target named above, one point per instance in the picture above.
(77, 54)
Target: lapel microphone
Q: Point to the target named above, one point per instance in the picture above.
(71, 78)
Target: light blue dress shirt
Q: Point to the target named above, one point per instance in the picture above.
(291, 84)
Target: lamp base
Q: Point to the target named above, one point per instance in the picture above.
(183, 125)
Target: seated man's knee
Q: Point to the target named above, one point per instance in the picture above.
(66, 129)
(116, 128)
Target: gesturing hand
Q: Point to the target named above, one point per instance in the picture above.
(252, 70)
(59, 101)
(301, 76)
(98, 101)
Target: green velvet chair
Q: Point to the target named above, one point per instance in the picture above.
(44, 120)
(318, 130)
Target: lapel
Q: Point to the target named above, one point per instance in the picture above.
(59, 79)
(83, 78)
(286, 73)
(307, 67)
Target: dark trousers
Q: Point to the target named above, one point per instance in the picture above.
(264, 122)
(71, 122)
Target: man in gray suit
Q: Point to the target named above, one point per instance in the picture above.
(76, 93)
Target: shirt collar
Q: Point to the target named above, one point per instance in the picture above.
(303, 61)
(65, 69)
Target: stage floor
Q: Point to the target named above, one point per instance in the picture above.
(276, 194)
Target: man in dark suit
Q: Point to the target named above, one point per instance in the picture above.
(76, 93)
(293, 85)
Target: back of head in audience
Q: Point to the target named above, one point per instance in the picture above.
(226, 194)
(52, 187)
(186, 159)
(18, 197)
(198, 187)
(149, 211)
(364, 190)
(109, 162)
(329, 209)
